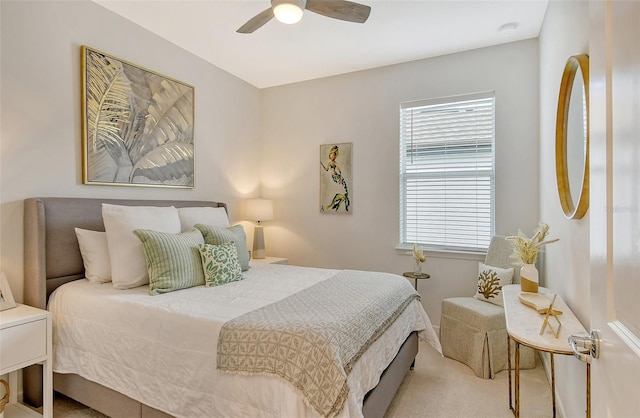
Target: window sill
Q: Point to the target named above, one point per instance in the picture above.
(450, 254)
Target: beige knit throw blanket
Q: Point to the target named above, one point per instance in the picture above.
(313, 338)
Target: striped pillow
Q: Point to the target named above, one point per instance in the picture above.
(173, 260)
(214, 235)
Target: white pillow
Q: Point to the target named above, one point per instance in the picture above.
(490, 282)
(202, 215)
(95, 255)
(128, 263)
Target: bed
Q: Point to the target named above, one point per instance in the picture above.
(54, 265)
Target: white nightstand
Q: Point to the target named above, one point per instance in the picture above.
(271, 260)
(25, 339)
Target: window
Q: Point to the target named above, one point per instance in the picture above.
(447, 185)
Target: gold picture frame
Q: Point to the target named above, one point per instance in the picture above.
(137, 125)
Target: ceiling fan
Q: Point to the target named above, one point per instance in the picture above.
(290, 11)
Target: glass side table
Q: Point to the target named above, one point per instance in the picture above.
(415, 277)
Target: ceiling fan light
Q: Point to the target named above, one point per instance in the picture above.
(288, 13)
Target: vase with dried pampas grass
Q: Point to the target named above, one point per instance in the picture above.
(525, 253)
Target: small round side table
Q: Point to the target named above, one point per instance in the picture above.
(415, 277)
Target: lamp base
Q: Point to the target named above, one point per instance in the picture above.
(258, 243)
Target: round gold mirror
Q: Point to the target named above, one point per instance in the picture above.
(572, 138)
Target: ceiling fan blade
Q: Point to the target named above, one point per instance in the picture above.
(340, 9)
(257, 21)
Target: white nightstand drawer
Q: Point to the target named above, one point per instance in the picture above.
(23, 343)
(25, 339)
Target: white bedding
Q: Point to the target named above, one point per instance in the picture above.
(161, 350)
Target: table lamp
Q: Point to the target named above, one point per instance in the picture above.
(259, 210)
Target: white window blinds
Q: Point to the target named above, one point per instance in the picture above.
(447, 185)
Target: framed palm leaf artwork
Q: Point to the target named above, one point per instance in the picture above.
(138, 125)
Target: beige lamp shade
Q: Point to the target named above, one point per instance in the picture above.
(259, 210)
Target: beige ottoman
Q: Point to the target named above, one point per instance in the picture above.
(474, 333)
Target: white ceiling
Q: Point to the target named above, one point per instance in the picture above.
(397, 31)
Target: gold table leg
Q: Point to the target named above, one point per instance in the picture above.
(553, 385)
(517, 410)
(509, 370)
(588, 390)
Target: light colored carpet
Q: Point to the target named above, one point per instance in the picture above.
(438, 387)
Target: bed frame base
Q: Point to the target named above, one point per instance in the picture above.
(377, 401)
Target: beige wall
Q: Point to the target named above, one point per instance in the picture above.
(565, 32)
(40, 114)
(363, 108)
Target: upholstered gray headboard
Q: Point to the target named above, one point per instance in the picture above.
(51, 253)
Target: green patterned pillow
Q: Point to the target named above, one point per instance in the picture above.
(220, 264)
(173, 260)
(215, 235)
